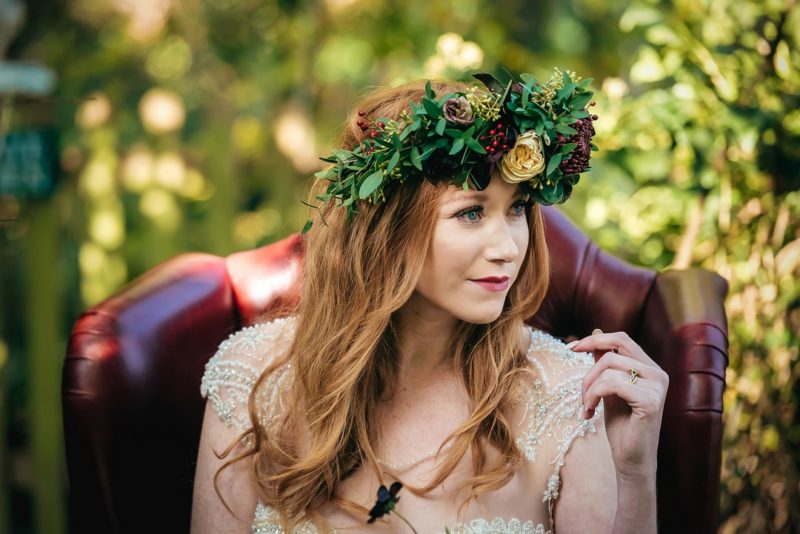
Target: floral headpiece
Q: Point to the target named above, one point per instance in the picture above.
(537, 135)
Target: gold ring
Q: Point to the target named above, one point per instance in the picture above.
(634, 376)
(597, 331)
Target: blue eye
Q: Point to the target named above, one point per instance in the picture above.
(473, 214)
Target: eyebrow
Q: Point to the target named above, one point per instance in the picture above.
(479, 195)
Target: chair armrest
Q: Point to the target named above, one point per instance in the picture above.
(685, 330)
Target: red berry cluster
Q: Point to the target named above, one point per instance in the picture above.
(498, 139)
(372, 130)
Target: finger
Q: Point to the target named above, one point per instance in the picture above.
(612, 360)
(608, 341)
(643, 397)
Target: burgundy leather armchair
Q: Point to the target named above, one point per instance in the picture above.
(131, 376)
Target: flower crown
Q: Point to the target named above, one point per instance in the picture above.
(538, 136)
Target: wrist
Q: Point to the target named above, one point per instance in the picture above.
(637, 478)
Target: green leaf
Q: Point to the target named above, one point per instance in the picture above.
(554, 162)
(431, 108)
(476, 146)
(565, 91)
(408, 130)
(583, 84)
(457, 145)
(579, 114)
(567, 148)
(327, 173)
(441, 125)
(342, 155)
(307, 226)
(580, 101)
(566, 130)
(425, 155)
(393, 161)
(428, 90)
(370, 184)
(454, 133)
(415, 158)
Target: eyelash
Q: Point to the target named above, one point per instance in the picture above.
(477, 207)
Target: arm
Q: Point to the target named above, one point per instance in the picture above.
(227, 384)
(607, 463)
(589, 494)
(636, 511)
(604, 500)
(209, 515)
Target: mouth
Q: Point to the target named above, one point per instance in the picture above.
(492, 279)
(493, 283)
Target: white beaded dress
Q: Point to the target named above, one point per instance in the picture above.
(553, 412)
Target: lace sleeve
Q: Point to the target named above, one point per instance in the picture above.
(554, 407)
(232, 371)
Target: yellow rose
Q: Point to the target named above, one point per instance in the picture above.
(525, 160)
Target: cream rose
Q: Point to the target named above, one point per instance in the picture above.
(525, 160)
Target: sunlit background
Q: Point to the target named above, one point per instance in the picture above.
(157, 127)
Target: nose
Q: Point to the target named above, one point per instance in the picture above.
(501, 244)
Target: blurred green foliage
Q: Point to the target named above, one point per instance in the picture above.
(196, 126)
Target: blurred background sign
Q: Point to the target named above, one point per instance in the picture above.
(28, 164)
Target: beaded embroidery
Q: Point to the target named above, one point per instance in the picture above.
(231, 373)
(553, 409)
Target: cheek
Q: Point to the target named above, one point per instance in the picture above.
(449, 257)
(522, 239)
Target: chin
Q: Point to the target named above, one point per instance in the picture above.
(481, 315)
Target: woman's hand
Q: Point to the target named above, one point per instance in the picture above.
(633, 411)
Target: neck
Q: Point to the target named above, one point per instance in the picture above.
(424, 333)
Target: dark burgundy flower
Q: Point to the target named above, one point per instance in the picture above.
(578, 160)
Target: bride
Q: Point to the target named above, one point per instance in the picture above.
(409, 359)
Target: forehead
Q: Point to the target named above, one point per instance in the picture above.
(459, 195)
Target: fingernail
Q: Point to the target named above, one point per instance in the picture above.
(572, 344)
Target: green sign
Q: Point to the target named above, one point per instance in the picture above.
(28, 164)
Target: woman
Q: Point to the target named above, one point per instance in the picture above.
(408, 358)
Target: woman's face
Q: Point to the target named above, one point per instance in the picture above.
(478, 234)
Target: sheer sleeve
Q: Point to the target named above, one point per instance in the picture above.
(554, 407)
(232, 371)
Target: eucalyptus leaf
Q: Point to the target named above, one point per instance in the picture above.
(370, 184)
(457, 145)
(563, 129)
(555, 161)
(580, 101)
(393, 161)
(415, 159)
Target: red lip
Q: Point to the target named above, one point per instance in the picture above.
(492, 279)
